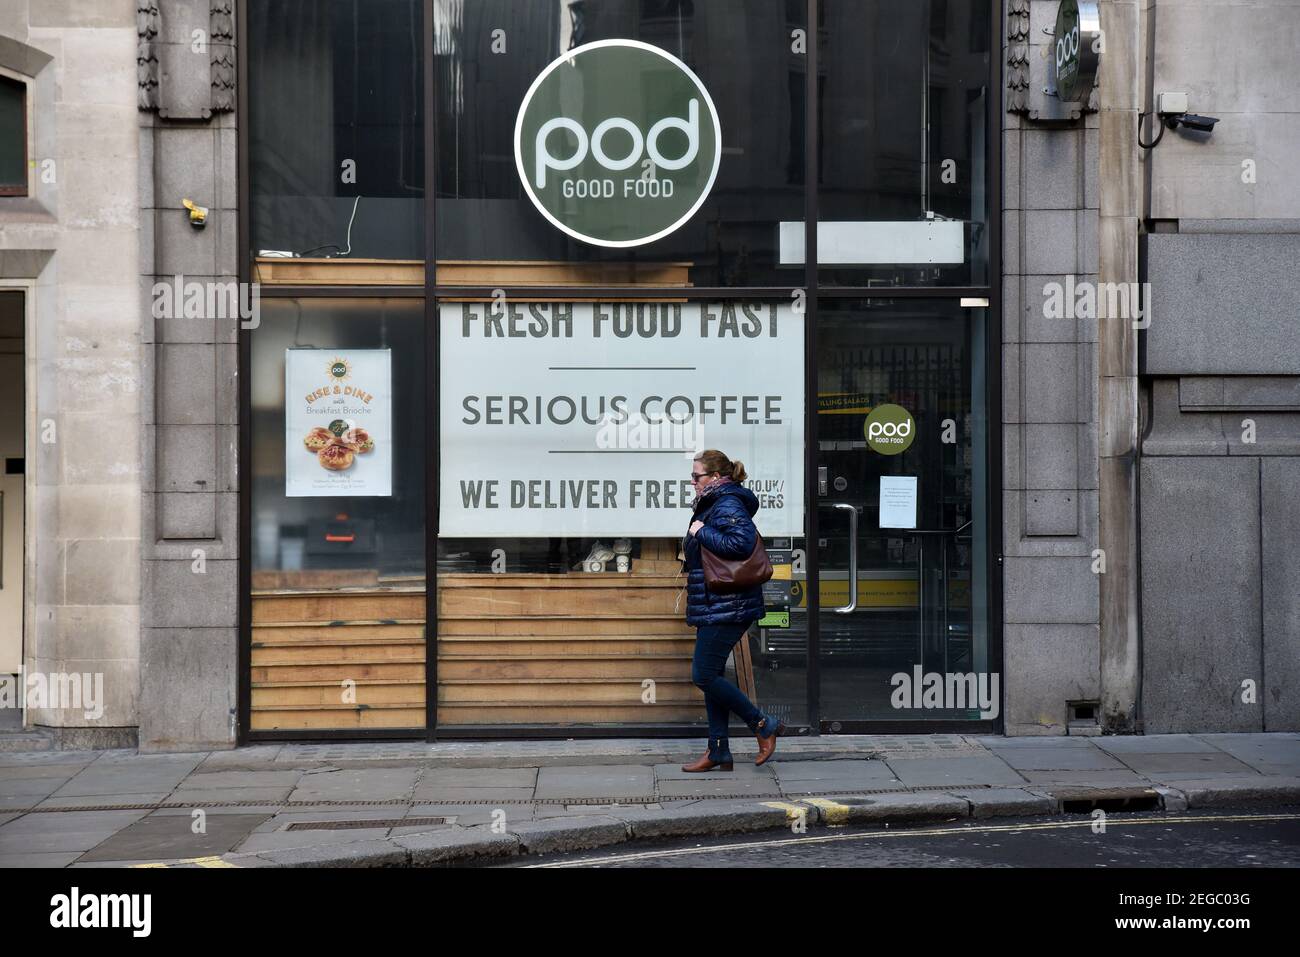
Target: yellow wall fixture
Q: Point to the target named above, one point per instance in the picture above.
(198, 214)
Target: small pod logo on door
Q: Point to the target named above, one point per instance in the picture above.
(889, 429)
(617, 143)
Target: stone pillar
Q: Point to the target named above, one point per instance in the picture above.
(190, 505)
(1120, 92)
(1049, 389)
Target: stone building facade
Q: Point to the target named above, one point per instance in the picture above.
(1150, 457)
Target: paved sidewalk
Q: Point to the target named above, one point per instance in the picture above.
(423, 804)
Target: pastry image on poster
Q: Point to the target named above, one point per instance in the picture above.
(338, 422)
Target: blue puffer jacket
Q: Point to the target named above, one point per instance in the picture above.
(728, 532)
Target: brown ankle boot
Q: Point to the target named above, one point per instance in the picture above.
(707, 763)
(767, 745)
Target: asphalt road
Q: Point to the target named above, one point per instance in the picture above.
(1258, 838)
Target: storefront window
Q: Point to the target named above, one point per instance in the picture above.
(747, 56)
(338, 419)
(904, 100)
(641, 165)
(336, 129)
(567, 433)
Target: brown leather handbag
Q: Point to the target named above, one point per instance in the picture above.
(724, 575)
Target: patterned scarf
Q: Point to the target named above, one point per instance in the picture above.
(709, 486)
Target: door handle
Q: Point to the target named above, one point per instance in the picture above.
(852, 606)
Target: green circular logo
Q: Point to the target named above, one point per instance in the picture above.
(338, 426)
(339, 370)
(889, 429)
(617, 143)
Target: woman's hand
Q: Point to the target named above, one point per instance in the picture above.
(695, 527)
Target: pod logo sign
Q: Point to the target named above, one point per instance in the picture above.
(1077, 49)
(617, 143)
(889, 429)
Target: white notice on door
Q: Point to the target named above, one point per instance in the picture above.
(898, 501)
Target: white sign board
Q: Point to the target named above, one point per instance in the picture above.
(898, 501)
(338, 422)
(581, 419)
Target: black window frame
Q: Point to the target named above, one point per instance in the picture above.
(987, 295)
(23, 189)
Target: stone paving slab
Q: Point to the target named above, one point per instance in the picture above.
(920, 772)
(368, 852)
(77, 831)
(103, 800)
(212, 780)
(1118, 778)
(1277, 753)
(672, 781)
(186, 810)
(260, 841)
(27, 792)
(994, 743)
(20, 759)
(1059, 759)
(1186, 764)
(55, 859)
(506, 778)
(375, 784)
(1152, 743)
(299, 815)
(610, 780)
(848, 773)
(445, 793)
(43, 771)
(250, 757)
(197, 797)
(173, 837)
(115, 773)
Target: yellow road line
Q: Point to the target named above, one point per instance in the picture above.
(199, 861)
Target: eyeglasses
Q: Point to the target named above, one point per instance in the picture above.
(697, 476)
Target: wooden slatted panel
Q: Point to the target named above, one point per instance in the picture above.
(513, 649)
(565, 649)
(338, 659)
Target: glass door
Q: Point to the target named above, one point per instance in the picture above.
(901, 524)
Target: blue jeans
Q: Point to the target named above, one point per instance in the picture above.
(713, 643)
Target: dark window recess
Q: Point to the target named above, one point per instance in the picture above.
(1083, 711)
(15, 466)
(13, 137)
(336, 127)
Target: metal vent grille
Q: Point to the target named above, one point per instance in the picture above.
(359, 825)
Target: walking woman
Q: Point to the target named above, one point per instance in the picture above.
(722, 522)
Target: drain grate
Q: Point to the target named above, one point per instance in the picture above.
(361, 825)
(1134, 802)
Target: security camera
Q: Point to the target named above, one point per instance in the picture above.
(1194, 121)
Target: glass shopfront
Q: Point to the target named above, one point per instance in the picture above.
(520, 260)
